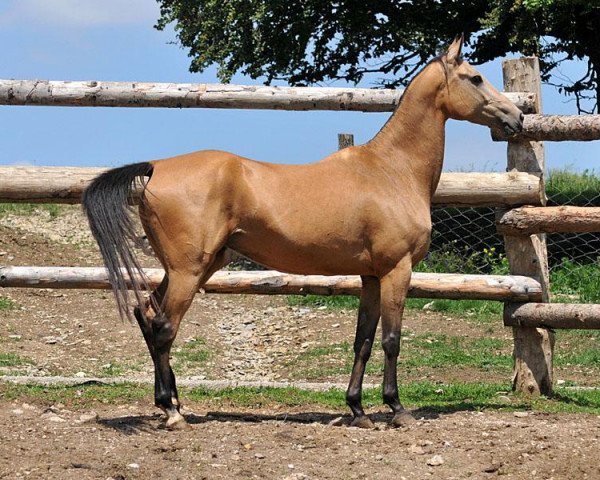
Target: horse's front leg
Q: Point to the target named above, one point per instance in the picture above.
(394, 287)
(368, 317)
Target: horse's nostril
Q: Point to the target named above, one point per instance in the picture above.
(521, 116)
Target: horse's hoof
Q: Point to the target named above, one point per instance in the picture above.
(402, 419)
(176, 422)
(362, 422)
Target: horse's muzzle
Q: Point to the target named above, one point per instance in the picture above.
(511, 126)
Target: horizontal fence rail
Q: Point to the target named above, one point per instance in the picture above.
(423, 285)
(565, 219)
(66, 184)
(556, 128)
(202, 95)
(553, 315)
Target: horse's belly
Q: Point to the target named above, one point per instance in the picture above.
(336, 257)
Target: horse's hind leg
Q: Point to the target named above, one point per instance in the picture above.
(174, 295)
(145, 323)
(180, 291)
(368, 317)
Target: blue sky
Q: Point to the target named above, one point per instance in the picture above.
(115, 40)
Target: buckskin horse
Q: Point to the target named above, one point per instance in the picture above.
(364, 210)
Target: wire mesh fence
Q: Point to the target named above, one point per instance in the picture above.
(465, 240)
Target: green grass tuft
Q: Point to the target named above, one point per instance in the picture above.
(24, 209)
(190, 353)
(7, 304)
(14, 360)
(334, 302)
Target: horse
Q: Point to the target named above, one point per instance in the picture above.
(364, 210)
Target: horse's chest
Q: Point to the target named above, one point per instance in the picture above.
(401, 236)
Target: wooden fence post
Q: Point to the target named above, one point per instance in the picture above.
(527, 254)
(345, 140)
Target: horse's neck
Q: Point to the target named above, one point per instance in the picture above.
(413, 139)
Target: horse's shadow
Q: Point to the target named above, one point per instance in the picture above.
(134, 424)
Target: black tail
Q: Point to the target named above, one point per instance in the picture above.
(106, 203)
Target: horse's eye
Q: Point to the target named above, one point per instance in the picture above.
(476, 80)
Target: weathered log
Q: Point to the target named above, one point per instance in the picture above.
(527, 254)
(45, 184)
(489, 189)
(185, 95)
(528, 220)
(556, 128)
(65, 185)
(423, 285)
(553, 315)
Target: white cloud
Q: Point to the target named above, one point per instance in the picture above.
(78, 13)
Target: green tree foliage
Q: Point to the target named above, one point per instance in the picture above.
(311, 41)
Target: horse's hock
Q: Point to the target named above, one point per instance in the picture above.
(525, 291)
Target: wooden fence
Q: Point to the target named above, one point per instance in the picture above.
(525, 291)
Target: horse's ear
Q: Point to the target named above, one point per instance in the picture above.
(454, 50)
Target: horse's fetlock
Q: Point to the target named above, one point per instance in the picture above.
(390, 397)
(163, 400)
(353, 397)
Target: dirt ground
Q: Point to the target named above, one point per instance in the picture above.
(123, 442)
(77, 333)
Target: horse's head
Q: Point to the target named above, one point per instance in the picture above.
(469, 96)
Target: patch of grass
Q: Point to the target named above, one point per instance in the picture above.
(587, 357)
(428, 350)
(564, 187)
(7, 304)
(192, 352)
(435, 350)
(335, 349)
(113, 370)
(477, 309)
(14, 360)
(25, 209)
(320, 362)
(571, 279)
(481, 310)
(577, 348)
(333, 302)
(425, 395)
